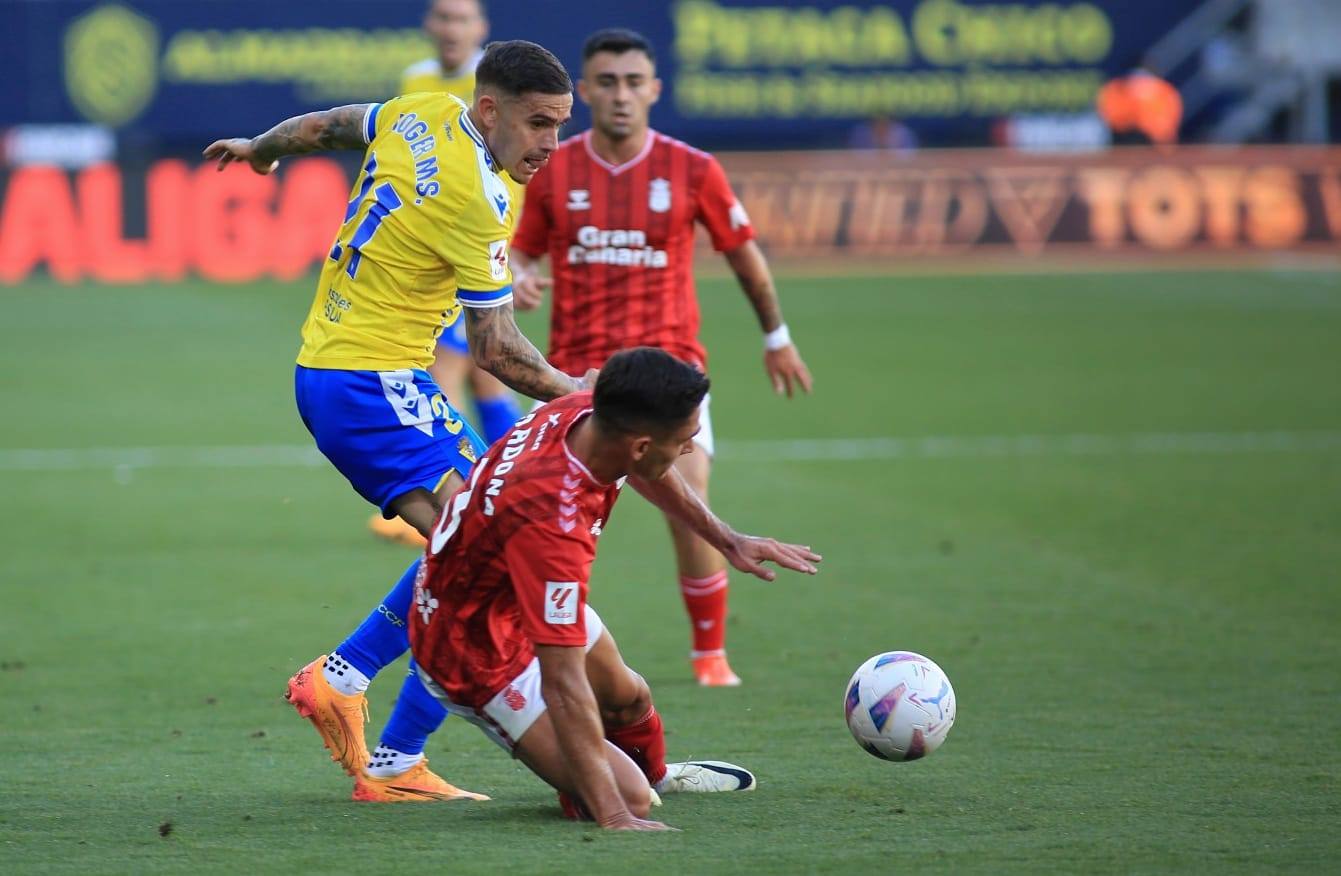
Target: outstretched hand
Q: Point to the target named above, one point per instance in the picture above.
(238, 149)
(748, 553)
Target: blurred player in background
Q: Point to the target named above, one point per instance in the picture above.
(615, 210)
(425, 234)
(501, 629)
(458, 29)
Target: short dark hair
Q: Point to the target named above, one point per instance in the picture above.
(647, 389)
(518, 67)
(617, 40)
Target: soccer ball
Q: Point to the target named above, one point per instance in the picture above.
(899, 706)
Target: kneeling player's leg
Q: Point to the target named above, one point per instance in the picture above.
(631, 722)
(539, 749)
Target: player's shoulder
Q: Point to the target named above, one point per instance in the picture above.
(669, 143)
(426, 67)
(570, 145)
(402, 114)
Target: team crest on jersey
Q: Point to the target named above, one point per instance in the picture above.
(579, 199)
(466, 449)
(659, 196)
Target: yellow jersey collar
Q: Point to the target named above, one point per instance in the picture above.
(474, 134)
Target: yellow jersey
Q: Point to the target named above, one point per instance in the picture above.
(426, 232)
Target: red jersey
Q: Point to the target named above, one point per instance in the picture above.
(620, 241)
(508, 562)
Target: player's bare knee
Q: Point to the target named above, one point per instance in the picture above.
(639, 801)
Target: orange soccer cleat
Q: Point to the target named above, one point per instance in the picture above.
(338, 717)
(712, 670)
(418, 784)
(396, 530)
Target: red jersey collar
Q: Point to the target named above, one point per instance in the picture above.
(617, 169)
(568, 451)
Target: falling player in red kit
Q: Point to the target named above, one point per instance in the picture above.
(500, 626)
(615, 210)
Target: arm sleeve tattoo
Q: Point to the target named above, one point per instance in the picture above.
(500, 348)
(338, 128)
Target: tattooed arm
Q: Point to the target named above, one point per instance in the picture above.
(499, 347)
(338, 128)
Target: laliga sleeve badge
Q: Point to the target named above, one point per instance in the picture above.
(561, 602)
(498, 259)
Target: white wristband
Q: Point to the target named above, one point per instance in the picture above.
(778, 338)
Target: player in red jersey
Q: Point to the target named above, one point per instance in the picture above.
(615, 211)
(500, 628)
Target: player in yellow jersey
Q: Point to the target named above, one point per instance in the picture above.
(425, 234)
(457, 29)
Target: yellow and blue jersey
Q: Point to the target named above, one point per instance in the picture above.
(426, 231)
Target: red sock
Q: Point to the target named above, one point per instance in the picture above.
(705, 600)
(645, 742)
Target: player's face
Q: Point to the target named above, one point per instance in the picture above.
(653, 455)
(620, 89)
(522, 132)
(458, 29)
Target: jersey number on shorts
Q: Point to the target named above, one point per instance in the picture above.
(386, 201)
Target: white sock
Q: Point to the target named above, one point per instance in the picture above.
(344, 677)
(388, 762)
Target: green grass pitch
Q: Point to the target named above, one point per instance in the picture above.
(1143, 626)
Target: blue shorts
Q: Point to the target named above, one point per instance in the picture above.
(454, 337)
(388, 432)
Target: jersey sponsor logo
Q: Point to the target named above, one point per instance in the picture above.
(560, 602)
(498, 259)
(579, 199)
(515, 699)
(659, 196)
(620, 246)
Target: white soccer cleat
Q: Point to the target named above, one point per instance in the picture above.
(705, 777)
